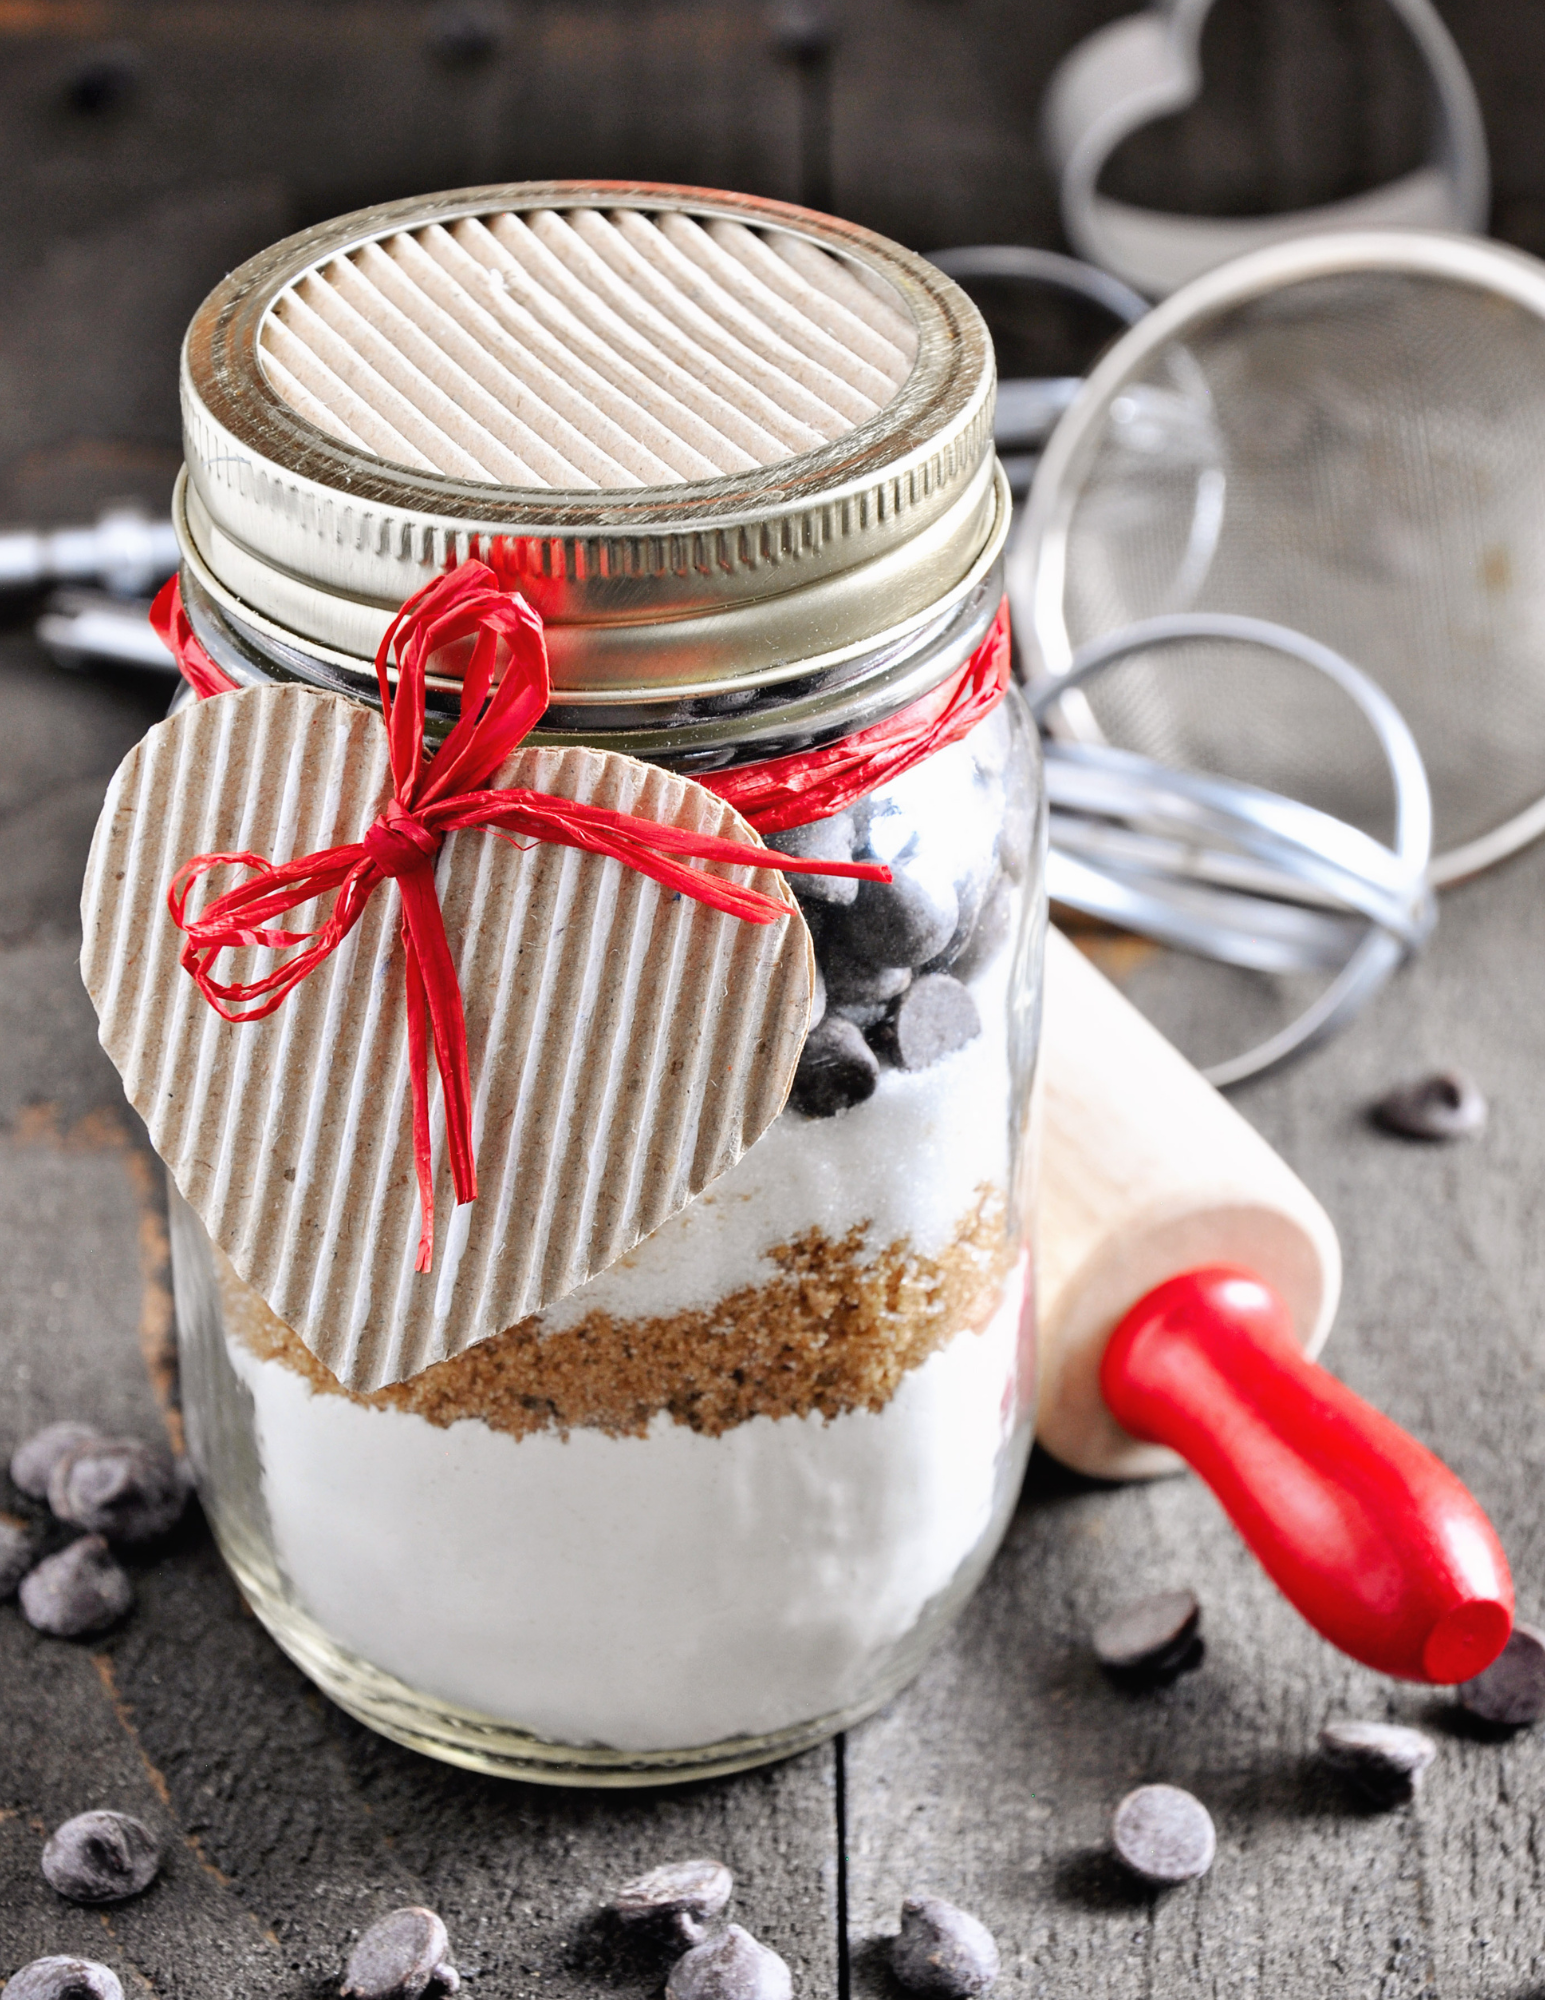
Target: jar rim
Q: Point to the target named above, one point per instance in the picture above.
(328, 539)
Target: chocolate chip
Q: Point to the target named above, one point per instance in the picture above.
(836, 1069)
(826, 840)
(732, 1966)
(942, 1949)
(32, 1462)
(17, 1551)
(905, 921)
(101, 1857)
(1446, 1105)
(991, 931)
(1511, 1692)
(933, 1018)
(117, 1487)
(851, 980)
(401, 1957)
(63, 1979)
(684, 1894)
(1163, 1835)
(1384, 1761)
(1152, 1640)
(77, 1593)
(970, 889)
(863, 1014)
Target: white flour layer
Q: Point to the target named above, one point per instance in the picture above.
(908, 1164)
(651, 1593)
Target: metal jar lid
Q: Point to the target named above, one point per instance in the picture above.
(681, 585)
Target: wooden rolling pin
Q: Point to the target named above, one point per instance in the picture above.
(1186, 1279)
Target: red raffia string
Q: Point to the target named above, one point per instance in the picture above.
(792, 791)
(174, 628)
(784, 792)
(504, 692)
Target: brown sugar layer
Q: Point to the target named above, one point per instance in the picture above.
(836, 1328)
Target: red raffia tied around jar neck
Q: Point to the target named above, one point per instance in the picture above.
(783, 792)
(504, 694)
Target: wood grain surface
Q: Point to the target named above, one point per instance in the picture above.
(147, 146)
(146, 149)
(289, 1827)
(992, 1779)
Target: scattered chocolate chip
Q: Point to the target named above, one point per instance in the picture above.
(933, 1018)
(63, 1979)
(32, 1462)
(101, 1857)
(1163, 1835)
(1446, 1105)
(1383, 1760)
(1511, 1692)
(117, 1487)
(942, 1949)
(731, 1966)
(77, 1593)
(1152, 1640)
(905, 921)
(401, 1957)
(826, 840)
(17, 1552)
(836, 1069)
(684, 1894)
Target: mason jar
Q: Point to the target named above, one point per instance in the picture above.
(718, 1503)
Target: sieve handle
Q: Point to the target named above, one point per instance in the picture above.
(1371, 1537)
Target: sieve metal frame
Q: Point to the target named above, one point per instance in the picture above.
(1148, 66)
(1020, 443)
(1036, 568)
(1320, 853)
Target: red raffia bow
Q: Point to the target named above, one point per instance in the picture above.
(504, 692)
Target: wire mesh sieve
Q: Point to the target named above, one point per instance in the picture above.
(1344, 434)
(1262, 882)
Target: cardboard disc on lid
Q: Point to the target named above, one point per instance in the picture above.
(627, 1044)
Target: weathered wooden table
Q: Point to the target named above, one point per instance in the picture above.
(288, 1827)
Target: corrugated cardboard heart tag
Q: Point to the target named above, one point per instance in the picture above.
(627, 1044)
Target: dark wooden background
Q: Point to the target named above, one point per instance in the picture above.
(146, 146)
(144, 149)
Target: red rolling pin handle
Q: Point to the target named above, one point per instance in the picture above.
(1371, 1537)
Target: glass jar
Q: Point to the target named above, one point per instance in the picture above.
(718, 1503)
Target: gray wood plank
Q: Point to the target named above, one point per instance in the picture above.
(288, 1827)
(991, 1780)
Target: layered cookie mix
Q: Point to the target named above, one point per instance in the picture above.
(704, 1496)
